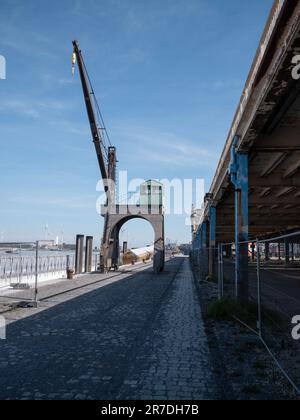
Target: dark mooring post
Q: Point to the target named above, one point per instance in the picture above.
(79, 254)
(88, 254)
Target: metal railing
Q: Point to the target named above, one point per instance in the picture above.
(27, 266)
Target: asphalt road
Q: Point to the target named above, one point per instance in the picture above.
(280, 287)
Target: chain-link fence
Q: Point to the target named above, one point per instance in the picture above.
(271, 308)
(205, 263)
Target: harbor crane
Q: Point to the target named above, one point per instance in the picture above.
(106, 153)
(107, 159)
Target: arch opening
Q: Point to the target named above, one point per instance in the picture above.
(136, 239)
(157, 224)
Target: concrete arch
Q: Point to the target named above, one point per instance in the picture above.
(110, 247)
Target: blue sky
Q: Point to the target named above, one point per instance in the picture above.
(168, 74)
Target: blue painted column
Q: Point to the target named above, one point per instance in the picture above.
(204, 249)
(240, 178)
(204, 235)
(212, 241)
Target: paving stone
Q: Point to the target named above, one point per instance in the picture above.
(142, 336)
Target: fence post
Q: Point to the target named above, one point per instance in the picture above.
(36, 273)
(259, 321)
(96, 262)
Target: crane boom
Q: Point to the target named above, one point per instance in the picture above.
(107, 171)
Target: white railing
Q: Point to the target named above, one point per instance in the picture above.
(22, 269)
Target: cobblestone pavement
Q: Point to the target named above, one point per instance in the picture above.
(139, 337)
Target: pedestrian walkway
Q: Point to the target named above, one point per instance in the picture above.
(174, 361)
(139, 337)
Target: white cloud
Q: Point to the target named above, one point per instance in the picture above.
(168, 148)
(33, 108)
(48, 201)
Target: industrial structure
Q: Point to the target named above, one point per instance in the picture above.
(116, 215)
(255, 192)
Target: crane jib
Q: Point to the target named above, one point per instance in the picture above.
(108, 169)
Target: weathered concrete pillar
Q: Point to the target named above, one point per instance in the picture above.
(239, 171)
(88, 254)
(159, 247)
(79, 254)
(242, 243)
(212, 241)
(125, 247)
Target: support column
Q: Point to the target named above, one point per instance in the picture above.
(212, 241)
(267, 251)
(279, 251)
(204, 235)
(293, 251)
(88, 254)
(204, 249)
(287, 250)
(239, 170)
(79, 254)
(253, 251)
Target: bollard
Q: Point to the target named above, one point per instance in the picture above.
(2, 328)
(79, 254)
(88, 254)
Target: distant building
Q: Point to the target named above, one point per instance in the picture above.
(47, 243)
(196, 219)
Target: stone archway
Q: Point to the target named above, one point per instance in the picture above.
(115, 221)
